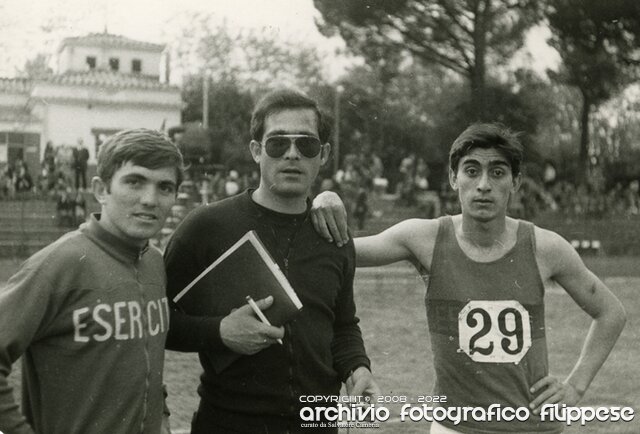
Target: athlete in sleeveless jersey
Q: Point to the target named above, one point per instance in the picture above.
(484, 298)
(487, 328)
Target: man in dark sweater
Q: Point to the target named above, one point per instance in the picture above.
(263, 391)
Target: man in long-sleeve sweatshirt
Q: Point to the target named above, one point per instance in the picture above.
(263, 391)
(88, 313)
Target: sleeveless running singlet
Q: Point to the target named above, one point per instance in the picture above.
(486, 322)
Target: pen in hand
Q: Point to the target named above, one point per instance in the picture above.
(259, 314)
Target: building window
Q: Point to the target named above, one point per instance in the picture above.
(114, 64)
(91, 62)
(136, 66)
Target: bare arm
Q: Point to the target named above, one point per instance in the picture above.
(565, 266)
(408, 240)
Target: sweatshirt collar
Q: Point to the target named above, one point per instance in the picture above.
(113, 245)
(275, 216)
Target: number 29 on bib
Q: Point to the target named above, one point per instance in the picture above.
(494, 331)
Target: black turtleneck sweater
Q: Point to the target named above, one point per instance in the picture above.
(321, 345)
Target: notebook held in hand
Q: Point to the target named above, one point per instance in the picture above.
(246, 268)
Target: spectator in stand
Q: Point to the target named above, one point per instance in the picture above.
(65, 208)
(44, 179)
(348, 180)
(232, 184)
(516, 205)
(254, 179)
(328, 184)
(6, 180)
(22, 178)
(42, 182)
(361, 206)
(61, 183)
(379, 183)
(633, 198)
(549, 174)
(450, 202)
(376, 166)
(407, 169)
(614, 200)
(49, 157)
(217, 186)
(64, 161)
(427, 200)
(80, 161)
(584, 200)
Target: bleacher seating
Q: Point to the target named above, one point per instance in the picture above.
(29, 225)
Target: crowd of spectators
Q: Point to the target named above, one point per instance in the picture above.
(358, 177)
(564, 198)
(15, 179)
(219, 184)
(362, 176)
(415, 189)
(60, 167)
(571, 199)
(63, 173)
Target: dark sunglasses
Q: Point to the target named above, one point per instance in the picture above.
(277, 146)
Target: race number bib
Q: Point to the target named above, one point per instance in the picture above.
(496, 331)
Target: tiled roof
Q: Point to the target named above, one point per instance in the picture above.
(19, 85)
(110, 40)
(107, 79)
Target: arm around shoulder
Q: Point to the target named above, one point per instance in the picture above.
(400, 242)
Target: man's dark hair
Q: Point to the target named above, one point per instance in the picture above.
(143, 147)
(485, 135)
(286, 99)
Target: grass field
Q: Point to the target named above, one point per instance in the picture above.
(391, 308)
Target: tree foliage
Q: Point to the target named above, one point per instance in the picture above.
(255, 59)
(229, 116)
(464, 37)
(599, 43)
(239, 66)
(37, 67)
(422, 111)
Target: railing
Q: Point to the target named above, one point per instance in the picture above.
(611, 236)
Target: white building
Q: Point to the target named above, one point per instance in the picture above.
(102, 83)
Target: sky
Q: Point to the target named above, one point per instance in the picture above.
(22, 23)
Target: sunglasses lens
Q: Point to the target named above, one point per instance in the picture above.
(276, 146)
(308, 146)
